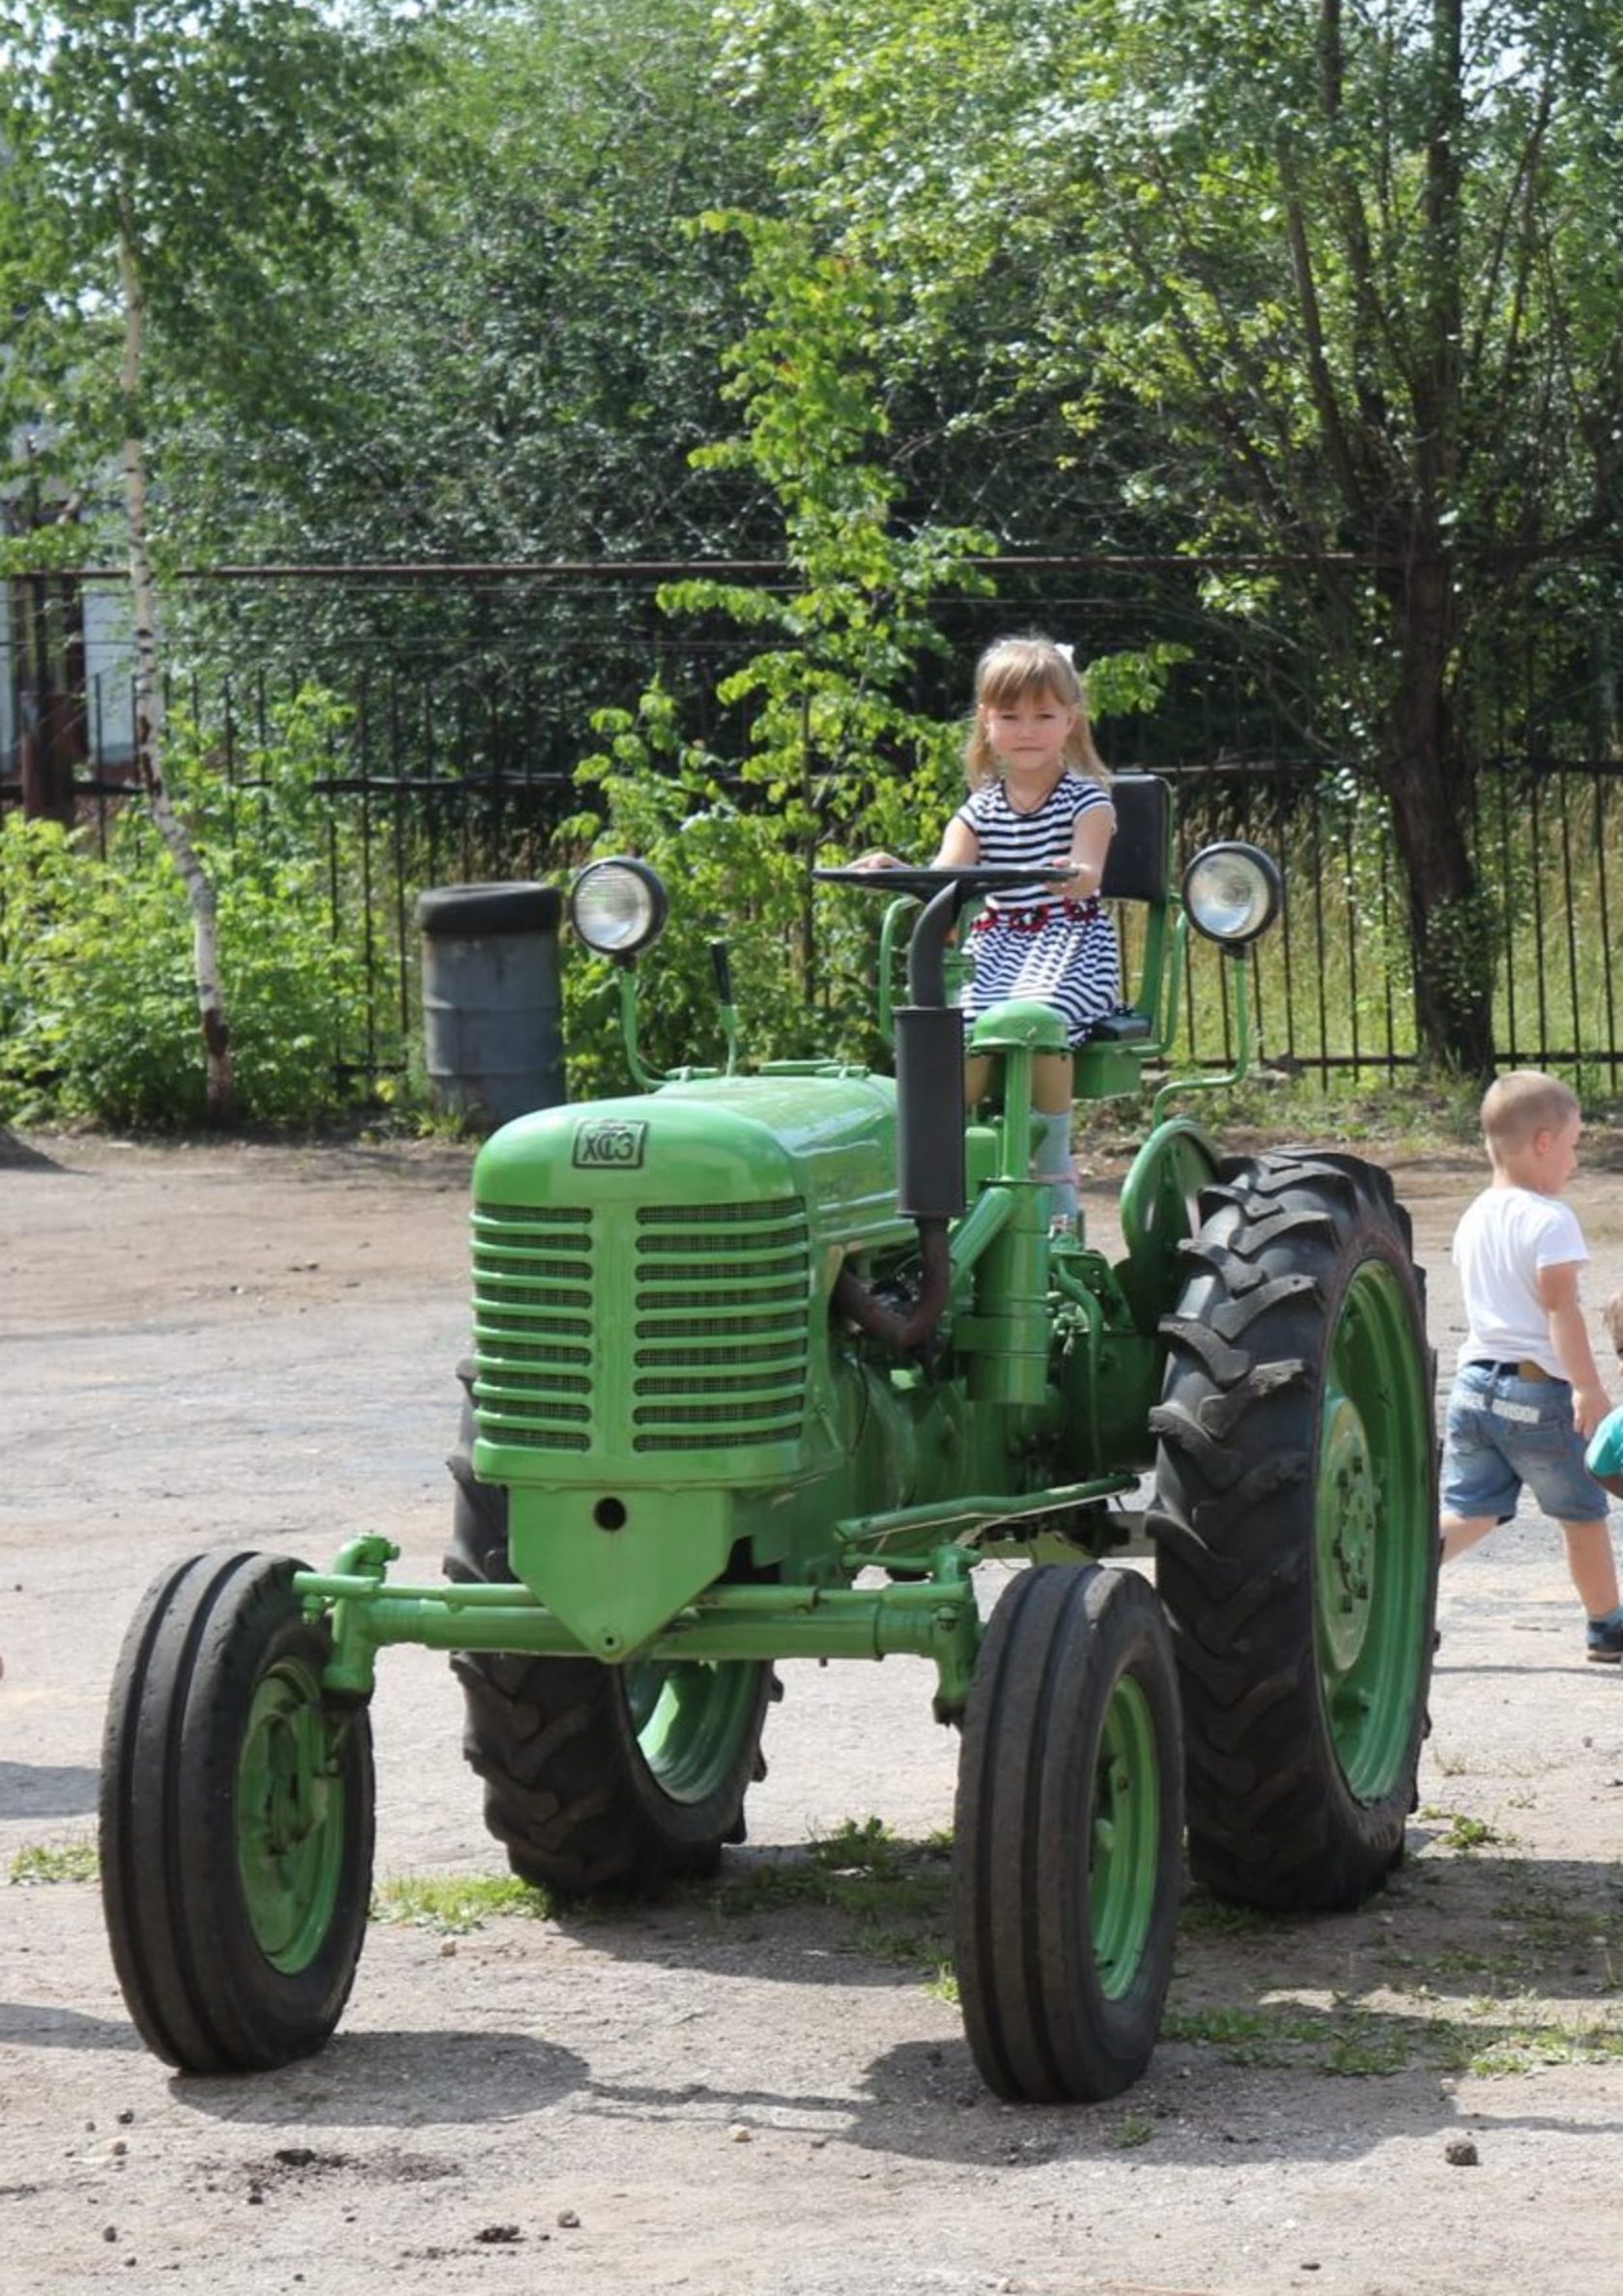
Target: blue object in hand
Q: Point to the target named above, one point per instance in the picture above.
(1605, 1455)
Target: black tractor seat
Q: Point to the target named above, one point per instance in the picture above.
(1123, 1026)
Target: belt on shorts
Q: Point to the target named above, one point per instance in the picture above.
(1525, 1369)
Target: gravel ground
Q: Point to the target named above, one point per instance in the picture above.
(740, 2089)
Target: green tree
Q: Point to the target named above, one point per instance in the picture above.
(1356, 272)
(173, 173)
(513, 363)
(833, 753)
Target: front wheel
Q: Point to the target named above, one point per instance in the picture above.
(236, 1820)
(1069, 1825)
(1296, 1528)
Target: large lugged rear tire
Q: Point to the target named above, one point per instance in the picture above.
(236, 1820)
(596, 1776)
(1296, 1522)
(1067, 1854)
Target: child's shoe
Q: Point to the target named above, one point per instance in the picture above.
(1606, 1639)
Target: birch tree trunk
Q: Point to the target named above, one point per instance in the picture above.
(150, 730)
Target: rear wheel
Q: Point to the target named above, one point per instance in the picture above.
(1069, 1824)
(599, 1775)
(236, 1820)
(1296, 1528)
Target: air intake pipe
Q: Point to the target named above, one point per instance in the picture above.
(930, 1181)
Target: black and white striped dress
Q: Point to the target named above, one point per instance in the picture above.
(1028, 942)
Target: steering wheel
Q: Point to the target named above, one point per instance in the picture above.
(985, 877)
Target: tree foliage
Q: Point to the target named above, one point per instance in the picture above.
(1356, 270)
(174, 171)
(512, 363)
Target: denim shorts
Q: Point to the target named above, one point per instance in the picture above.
(1503, 1432)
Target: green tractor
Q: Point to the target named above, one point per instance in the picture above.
(764, 1365)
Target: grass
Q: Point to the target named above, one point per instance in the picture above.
(1465, 1834)
(452, 1904)
(40, 1862)
(896, 1894)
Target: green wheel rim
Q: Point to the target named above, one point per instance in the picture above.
(1372, 1531)
(290, 1819)
(1125, 1841)
(691, 1722)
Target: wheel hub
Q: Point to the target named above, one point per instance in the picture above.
(288, 1846)
(1349, 1513)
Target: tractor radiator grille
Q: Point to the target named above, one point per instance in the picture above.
(533, 1325)
(721, 1327)
(720, 1321)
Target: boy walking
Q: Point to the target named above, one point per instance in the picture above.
(1526, 1393)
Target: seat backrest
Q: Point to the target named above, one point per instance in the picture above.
(1138, 865)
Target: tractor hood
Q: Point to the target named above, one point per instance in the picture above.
(652, 1278)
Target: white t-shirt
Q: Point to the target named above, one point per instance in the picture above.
(1504, 1241)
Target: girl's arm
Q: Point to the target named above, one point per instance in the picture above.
(1090, 841)
(961, 848)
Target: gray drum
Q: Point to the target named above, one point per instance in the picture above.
(493, 1037)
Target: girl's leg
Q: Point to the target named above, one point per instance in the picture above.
(1592, 1566)
(1051, 1082)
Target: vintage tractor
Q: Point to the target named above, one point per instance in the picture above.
(764, 1365)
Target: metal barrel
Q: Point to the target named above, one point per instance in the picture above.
(493, 1037)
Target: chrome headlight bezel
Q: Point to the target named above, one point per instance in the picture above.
(1232, 893)
(618, 906)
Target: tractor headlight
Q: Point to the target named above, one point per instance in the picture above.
(618, 907)
(1232, 893)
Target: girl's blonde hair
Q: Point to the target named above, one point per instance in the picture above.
(1015, 667)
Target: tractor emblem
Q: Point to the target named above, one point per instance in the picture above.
(610, 1145)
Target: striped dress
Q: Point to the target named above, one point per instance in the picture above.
(1029, 942)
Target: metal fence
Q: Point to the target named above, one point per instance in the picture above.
(453, 764)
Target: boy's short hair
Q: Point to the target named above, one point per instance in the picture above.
(1521, 1103)
(1611, 1315)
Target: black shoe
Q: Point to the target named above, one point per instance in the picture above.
(1604, 1640)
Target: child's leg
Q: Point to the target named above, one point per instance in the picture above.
(1052, 1076)
(1460, 1532)
(1051, 1162)
(1592, 1566)
(1051, 1082)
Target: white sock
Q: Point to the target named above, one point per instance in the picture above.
(1051, 1162)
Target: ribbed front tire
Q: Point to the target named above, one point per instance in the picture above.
(1067, 1869)
(236, 1820)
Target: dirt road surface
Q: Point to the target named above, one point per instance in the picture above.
(754, 2086)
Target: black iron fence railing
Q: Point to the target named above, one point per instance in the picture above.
(453, 760)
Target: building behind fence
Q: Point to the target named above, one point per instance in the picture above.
(455, 761)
